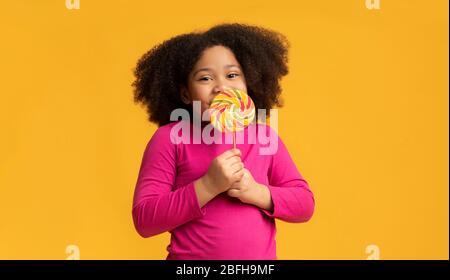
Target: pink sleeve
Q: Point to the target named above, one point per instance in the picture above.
(156, 206)
(292, 199)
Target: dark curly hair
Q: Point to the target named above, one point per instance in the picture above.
(163, 70)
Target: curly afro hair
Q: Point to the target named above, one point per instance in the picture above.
(163, 70)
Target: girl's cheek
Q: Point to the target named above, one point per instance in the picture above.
(241, 84)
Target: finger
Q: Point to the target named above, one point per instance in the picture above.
(233, 160)
(230, 153)
(238, 175)
(233, 192)
(237, 167)
(235, 186)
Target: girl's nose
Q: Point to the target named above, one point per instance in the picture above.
(220, 88)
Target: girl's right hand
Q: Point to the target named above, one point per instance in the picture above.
(224, 170)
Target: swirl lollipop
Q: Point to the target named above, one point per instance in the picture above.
(232, 110)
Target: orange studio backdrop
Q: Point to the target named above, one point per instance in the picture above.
(365, 120)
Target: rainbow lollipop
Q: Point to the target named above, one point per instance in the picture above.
(232, 110)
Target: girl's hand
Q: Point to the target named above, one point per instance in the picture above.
(223, 171)
(249, 191)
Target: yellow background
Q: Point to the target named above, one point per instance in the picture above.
(365, 119)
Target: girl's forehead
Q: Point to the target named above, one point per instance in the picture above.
(216, 57)
(217, 54)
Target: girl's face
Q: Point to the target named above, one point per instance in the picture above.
(216, 70)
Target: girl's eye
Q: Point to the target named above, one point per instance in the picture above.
(204, 78)
(233, 75)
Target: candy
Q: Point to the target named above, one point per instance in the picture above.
(232, 110)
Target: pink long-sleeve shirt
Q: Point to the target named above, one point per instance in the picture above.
(224, 228)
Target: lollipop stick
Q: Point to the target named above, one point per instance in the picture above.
(234, 133)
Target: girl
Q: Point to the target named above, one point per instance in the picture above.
(217, 202)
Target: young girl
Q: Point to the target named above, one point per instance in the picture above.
(217, 202)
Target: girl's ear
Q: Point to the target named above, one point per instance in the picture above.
(185, 95)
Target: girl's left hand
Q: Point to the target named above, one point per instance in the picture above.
(248, 190)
